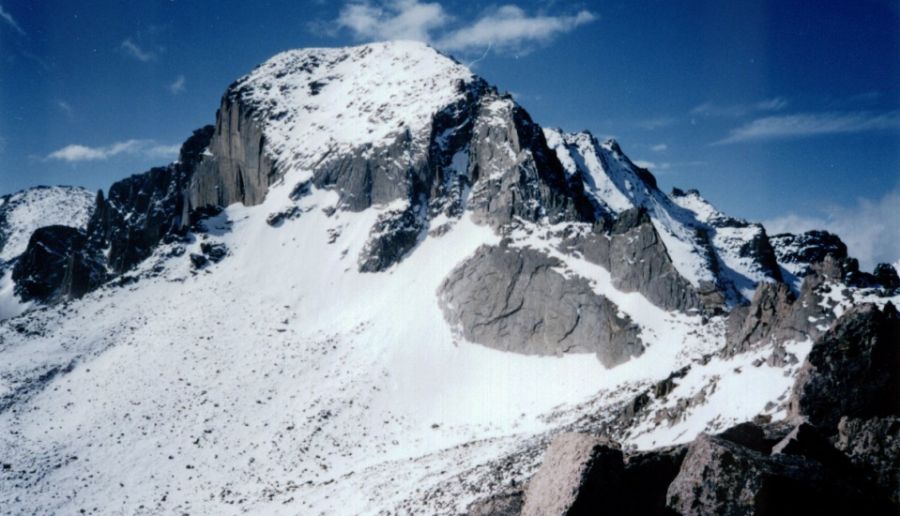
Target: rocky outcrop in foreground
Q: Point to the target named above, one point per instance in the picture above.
(837, 453)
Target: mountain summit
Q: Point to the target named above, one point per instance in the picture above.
(375, 284)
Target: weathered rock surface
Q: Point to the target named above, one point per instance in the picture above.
(638, 261)
(722, 477)
(57, 265)
(873, 445)
(236, 167)
(852, 370)
(580, 474)
(142, 209)
(512, 299)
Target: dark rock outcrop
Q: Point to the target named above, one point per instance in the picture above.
(646, 480)
(57, 265)
(394, 234)
(852, 370)
(141, 210)
(721, 477)
(873, 445)
(533, 309)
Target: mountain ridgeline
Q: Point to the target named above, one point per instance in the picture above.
(417, 277)
(465, 148)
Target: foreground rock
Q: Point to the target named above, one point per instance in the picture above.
(853, 370)
(722, 477)
(581, 474)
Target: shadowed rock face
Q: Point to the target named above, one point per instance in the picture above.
(237, 167)
(874, 446)
(721, 477)
(638, 261)
(57, 265)
(512, 299)
(853, 370)
(142, 209)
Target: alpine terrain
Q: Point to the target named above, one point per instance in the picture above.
(377, 286)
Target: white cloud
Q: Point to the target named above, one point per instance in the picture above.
(505, 28)
(132, 50)
(812, 124)
(178, 85)
(509, 27)
(659, 147)
(74, 153)
(398, 19)
(869, 228)
(11, 21)
(737, 110)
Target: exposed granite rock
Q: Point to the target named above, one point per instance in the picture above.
(533, 309)
(57, 265)
(394, 234)
(580, 474)
(852, 370)
(236, 167)
(874, 446)
(722, 477)
(638, 261)
(515, 174)
(508, 503)
(776, 314)
(797, 253)
(142, 209)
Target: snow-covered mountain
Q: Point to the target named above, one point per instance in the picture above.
(375, 285)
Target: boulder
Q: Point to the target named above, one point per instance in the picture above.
(722, 477)
(852, 370)
(580, 474)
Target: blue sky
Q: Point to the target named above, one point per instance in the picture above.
(782, 111)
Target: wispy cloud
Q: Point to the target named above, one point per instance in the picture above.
(507, 27)
(11, 21)
(659, 147)
(177, 86)
(510, 27)
(812, 124)
(150, 148)
(131, 49)
(65, 107)
(869, 227)
(737, 110)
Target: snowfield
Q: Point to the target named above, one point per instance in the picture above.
(282, 380)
